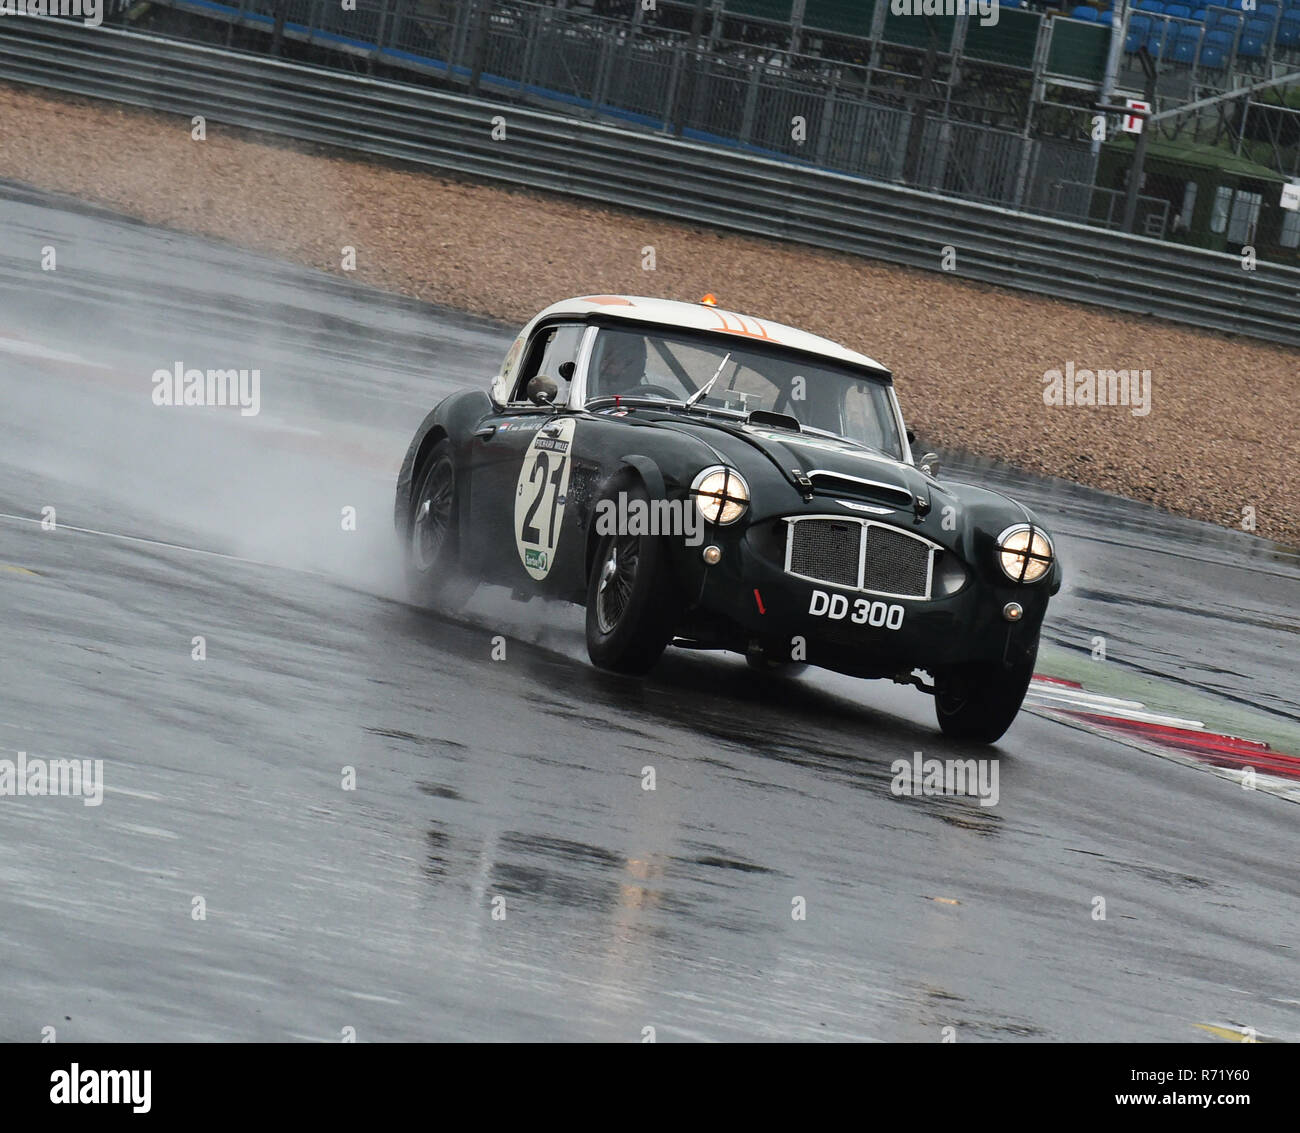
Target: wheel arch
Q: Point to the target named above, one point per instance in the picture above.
(632, 468)
(409, 477)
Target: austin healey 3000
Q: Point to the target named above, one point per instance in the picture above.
(700, 478)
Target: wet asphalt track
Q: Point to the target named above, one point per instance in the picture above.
(520, 779)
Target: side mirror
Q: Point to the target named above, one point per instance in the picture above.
(567, 370)
(542, 390)
(929, 464)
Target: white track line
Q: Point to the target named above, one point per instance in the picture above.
(161, 543)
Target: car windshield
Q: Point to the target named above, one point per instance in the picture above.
(819, 395)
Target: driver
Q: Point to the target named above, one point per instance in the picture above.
(622, 368)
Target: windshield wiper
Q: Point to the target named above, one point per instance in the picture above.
(702, 392)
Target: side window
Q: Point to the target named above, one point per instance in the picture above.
(868, 416)
(551, 347)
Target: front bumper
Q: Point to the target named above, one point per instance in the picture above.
(748, 597)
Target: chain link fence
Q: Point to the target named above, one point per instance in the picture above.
(946, 104)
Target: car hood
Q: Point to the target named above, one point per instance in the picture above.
(826, 465)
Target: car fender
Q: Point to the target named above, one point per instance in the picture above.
(454, 417)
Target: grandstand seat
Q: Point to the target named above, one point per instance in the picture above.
(1107, 17)
(1288, 30)
(1139, 27)
(1153, 6)
(1267, 13)
(1186, 45)
(1160, 43)
(1212, 55)
(1228, 22)
(1198, 14)
(1254, 39)
(1083, 12)
(1178, 11)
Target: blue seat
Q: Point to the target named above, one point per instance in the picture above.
(1288, 30)
(1198, 14)
(1156, 45)
(1139, 27)
(1083, 12)
(1154, 6)
(1178, 11)
(1220, 38)
(1224, 21)
(1254, 39)
(1267, 13)
(1107, 17)
(1184, 51)
(1211, 55)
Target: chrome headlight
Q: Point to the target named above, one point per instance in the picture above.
(721, 494)
(1024, 553)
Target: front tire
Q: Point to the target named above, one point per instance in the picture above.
(978, 702)
(432, 553)
(631, 604)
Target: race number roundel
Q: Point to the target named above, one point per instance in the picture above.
(540, 495)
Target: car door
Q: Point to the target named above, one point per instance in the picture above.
(521, 463)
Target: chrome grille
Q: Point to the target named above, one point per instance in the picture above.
(828, 550)
(896, 563)
(831, 550)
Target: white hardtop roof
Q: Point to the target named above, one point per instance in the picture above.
(707, 318)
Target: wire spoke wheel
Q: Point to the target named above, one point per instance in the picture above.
(633, 605)
(432, 521)
(617, 578)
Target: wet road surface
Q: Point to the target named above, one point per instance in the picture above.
(515, 786)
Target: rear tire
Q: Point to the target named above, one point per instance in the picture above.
(632, 606)
(978, 702)
(432, 552)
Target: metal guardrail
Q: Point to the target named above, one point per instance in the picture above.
(658, 175)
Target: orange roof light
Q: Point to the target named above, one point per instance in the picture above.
(710, 300)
